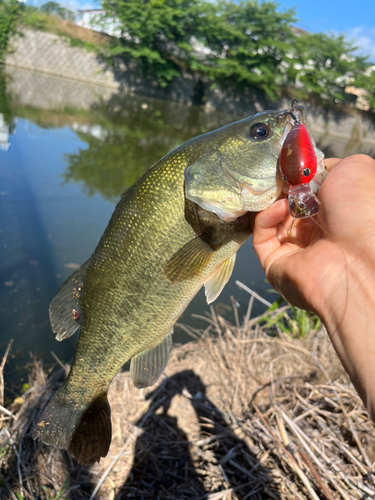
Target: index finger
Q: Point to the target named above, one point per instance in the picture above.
(265, 238)
(329, 163)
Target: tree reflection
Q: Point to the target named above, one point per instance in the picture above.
(6, 99)
(135, 132)
(111, 164)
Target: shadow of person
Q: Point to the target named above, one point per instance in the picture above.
(188, 450)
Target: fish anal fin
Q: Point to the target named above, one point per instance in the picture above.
(190, 261)
(220, 277)
(64, 311)
(147, 366)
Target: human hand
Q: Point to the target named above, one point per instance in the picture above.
(330, 269)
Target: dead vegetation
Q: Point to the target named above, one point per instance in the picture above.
(239, 415)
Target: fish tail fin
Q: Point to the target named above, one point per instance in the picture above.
(83, 429)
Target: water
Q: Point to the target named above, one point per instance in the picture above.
(65, 161)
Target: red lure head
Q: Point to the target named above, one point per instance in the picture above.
(298, 163)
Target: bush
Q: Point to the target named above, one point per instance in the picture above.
(9, 14)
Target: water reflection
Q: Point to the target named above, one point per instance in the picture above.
(8, 122)
(6, 129)
(76, 150)
(135, 132)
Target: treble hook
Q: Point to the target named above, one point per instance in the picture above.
(294, 100)
(290, 112)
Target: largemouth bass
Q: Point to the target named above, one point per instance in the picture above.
(178, 228)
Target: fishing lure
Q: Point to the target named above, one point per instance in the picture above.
(298, 165)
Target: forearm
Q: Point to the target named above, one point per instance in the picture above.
(349, 316)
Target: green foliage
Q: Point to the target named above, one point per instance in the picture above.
(34, 18)
(302, 322)
(288, 319)
(242, 45)
(156, 34)
(9, 14)
(247, 44)
(325, 65)
(6, 107)
(113, 163)
(59, 495)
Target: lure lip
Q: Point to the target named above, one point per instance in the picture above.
(303, 203)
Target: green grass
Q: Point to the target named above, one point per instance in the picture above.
(289, 319)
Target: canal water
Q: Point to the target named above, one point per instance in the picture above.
(67, 152)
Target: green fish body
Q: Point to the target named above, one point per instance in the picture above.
(178, 228)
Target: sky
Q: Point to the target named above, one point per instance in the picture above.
(356, 20)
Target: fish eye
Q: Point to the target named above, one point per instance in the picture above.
(306, 172)
(259, 131)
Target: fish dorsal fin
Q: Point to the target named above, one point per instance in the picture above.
(65, 312)
(147, 366)
(189, 261)
(219, 279)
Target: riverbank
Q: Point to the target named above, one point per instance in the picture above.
(238, 415)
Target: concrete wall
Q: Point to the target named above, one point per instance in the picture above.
(52, 55)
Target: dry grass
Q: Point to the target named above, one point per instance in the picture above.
(239, 415)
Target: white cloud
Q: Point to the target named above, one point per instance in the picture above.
(364, 39)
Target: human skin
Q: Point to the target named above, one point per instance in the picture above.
(331, 271)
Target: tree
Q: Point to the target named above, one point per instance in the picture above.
(50, 7)
(55, 8)
(156, 34)
(325, 64)
(247, 42)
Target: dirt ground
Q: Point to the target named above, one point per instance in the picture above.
(237, 415)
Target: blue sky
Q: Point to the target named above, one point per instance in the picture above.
(355, 19)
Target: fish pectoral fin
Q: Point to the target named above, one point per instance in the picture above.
(147, 366)
(190, 261)
(216, 282)
(64, 311)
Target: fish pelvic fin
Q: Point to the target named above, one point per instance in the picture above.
(84, 430)
(220, 277)
(147, 366)
(64, 311)
(190, 261)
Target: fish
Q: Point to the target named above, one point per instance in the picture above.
(298, 166)
(176, 229)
